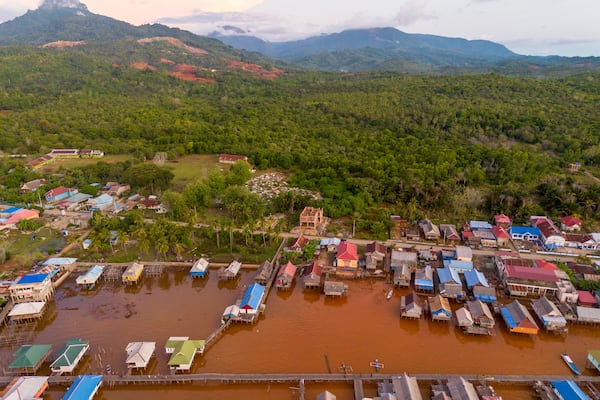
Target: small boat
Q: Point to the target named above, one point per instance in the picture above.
(570, 363)
(390, 294)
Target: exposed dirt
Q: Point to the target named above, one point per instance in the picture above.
(175, 42)
(187, 72)
(63, 43)
(255, 69)
(166, 61)
(143, 66)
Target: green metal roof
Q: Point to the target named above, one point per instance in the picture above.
(595, 354)
(30, 355)
(69, 352)
(184, 351)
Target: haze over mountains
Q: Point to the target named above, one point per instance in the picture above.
(350, 50)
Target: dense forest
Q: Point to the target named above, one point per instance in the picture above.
(447, 147)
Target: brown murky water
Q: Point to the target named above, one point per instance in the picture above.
(300, 332)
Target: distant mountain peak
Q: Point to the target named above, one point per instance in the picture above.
(54, 4)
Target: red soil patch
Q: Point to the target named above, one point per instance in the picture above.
(175, 42)
(166, 61)
(187, 72)
(63, 43)
(255, 69)
(143, 66)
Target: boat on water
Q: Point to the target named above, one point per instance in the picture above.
(570, 363)
(390, 294)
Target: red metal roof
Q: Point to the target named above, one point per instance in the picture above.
(500, 232)
(289, 269)
(57, 191)
(535, 274)
(570, 221)
(586, 298)
(517, 262)
(502, 219)
(545, 265)
(347, 251)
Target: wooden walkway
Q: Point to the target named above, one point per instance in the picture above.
(353, 379)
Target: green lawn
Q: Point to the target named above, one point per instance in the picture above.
(189, 169)
(82, 162)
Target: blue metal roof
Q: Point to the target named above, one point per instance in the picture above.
(32, 278)
(521, 230)
(480, 225)
(59, 261)
(448, 275)
(459, 265)
(568, 390)
(253, 296)
(508, 318)
(94, 272)
(11, 210)
(475, 277)
(83, 387)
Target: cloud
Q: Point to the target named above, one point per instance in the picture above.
(10, 9)
(413, 11)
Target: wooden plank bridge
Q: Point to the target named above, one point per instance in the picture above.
(351, 379)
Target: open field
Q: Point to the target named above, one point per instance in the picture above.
(188, 169)
(82, 162)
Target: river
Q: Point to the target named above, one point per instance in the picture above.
(301, 332)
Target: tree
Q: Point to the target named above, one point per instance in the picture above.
(238, 174)
(148, 175)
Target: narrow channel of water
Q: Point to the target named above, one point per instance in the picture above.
(301, 332)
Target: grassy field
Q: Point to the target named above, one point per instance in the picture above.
(82, 162)
(24, 250)
(189, 169)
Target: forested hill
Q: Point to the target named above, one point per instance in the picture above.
(446, 143)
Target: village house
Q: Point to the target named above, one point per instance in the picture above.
(330, 244)
(83, 387)
(139, 354)
(502, 237)
(32, 287)
(464, 318)
(525, 233)
(551, 236)
(549, 314)
(285, 276)
(132, 274)
(518, 319)
(410, 306)
(312, 276)
(528, 281)
(475, 278)
(89, 153)
(253, 297)
(430, 230)
(58, 193)
(406, 387)
(231, 158)
(297, 245)
(458, 266)
(64, 153)
(449, 233)
(481, 313)
(28, 311)
(334, 288)
(20, 215)
(403, 275)
(463, 253)
(450, 285)
(231, 271)
(69, 356)
(502, 220)
(183, 352)
(440, 309)
(29, 358)
(33, 185)
(401, 258)
(265, 269)
(424, 279)
(485, 294)
(25, 387)
(116, 189)
(312, 219)
(199, 268)
(375, 255)
(566, 293)
(346, 261)
(570, 224)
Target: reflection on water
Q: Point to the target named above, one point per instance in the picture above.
(298, 333)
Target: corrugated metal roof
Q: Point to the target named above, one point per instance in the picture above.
(475, 277)
(252, 297)
(69, 353)
(31, 278)
(25, 387)
(83, 387)
(60, 261)
(448, 275)
(535, 274)
(568, 390)
(29, 355)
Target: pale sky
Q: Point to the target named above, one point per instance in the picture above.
(537, 27)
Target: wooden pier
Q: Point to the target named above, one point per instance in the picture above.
(113, 273)
(153, 271)
(351, 379)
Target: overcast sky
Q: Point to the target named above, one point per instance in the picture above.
(538, 27)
